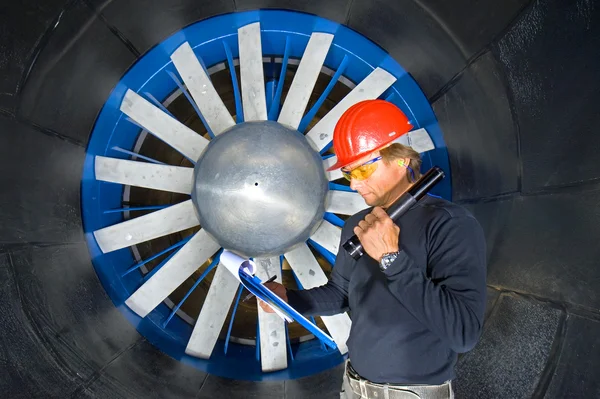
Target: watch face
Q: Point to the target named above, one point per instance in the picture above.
(387, 260)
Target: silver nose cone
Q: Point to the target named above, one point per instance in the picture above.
(260, 189)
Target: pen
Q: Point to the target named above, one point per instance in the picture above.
(250, 295)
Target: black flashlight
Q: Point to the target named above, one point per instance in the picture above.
(401, 205)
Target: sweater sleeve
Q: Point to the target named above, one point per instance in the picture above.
(451, 302)
(330, 298)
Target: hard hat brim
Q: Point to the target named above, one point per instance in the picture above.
(338, 165)
(345, 162)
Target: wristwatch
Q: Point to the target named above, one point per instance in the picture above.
(387, 259)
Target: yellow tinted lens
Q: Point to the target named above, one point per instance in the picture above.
(361, 173)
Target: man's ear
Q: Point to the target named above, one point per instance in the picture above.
(404, 162)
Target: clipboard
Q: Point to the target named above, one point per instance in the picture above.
(244, 270)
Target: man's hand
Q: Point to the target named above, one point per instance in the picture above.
(279, 290)
(378, 234)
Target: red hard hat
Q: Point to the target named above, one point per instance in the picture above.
(365, 127)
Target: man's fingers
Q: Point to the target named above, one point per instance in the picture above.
(379, 213)
(358, 231)
(265, 306)
(363, 225)
(370, 219)
(272, 285)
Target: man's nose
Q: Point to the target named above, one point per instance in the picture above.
(354, 183)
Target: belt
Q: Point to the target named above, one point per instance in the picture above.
(368, 389)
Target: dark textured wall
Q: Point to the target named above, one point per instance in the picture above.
(513, 84)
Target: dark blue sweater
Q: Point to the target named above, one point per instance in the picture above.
(409, 322)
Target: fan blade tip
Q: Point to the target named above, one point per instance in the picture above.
(136, 308)
(194, 353)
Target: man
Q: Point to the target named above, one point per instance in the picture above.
(418, 298)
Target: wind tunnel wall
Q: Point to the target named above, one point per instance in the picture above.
(514, 85)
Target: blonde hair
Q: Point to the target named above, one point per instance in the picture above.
(397, 151)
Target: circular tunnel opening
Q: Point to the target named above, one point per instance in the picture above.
(515, 99)
(348, 69)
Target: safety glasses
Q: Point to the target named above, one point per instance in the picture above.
(363, 171)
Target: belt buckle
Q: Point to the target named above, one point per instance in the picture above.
(387, 391)
(370, 389)
(403, 392)
(357, 383)
(352, 373)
